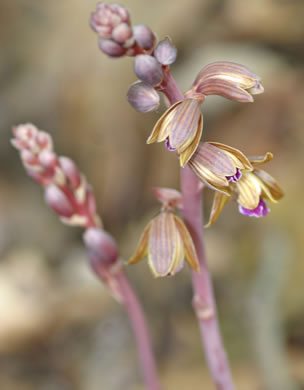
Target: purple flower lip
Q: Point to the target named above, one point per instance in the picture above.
(168, 146)
(235, 177)
(260, 211)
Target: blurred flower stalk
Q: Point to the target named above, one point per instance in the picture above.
(71, 197)
(222, 168)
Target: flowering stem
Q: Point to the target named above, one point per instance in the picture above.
(117, 282)
(142, 337)
(203, 301)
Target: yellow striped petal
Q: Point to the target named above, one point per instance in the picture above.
(189, 249)
(185, 156)
(257, 160)
(218, 204)
(142, 247)
(249, 191)
(269, 185)
(162, 127)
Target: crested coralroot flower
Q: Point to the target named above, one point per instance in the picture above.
(233, 81)
(218, 165)
(166, 241)
(181, 127)
(250, 190)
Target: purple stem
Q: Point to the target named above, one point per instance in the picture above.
(142, 337)
(203, 300)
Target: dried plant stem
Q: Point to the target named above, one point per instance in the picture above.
(203, 301)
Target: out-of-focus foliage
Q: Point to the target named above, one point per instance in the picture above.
(58, 327)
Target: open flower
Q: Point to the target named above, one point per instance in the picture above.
(250, 190)
(181, 127)
(218, 165)
(167, 242)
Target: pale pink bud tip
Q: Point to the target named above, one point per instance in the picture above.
(122, 33)
(58, 201)
(165, 52)
(101, 245)
(111, 48)
(71, 171)
(47, 159)
(143, 36)
(143, 97)
(107, 17)
(147, 69)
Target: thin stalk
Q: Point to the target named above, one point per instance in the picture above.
(203, 300)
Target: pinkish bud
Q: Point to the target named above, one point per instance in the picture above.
(111, 48)
(47, 159)
(107, 17)
(147, 69)
(143, 97)
(44, 140)
(122, 34)
(28, 157)
(101, 245)
(143, 36)
(71, 171)
(58, 201)
(165, 52)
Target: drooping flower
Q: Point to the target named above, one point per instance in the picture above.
(250, 190)
(181, 127)
(166, 242)
(218, 165)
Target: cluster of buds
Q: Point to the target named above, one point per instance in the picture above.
(166, 240)
(69, 195)
(116, 36)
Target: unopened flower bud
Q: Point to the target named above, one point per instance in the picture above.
(107, 17)
(71, 171)
(148, 69)
(28, 157)
(101, 245)
(122, 34)
(143, 97)
(165, 52)
(44, 140)
(143, 36)
(47, 159)
(111, 48)
(58, 201)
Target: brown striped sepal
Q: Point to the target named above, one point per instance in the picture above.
(227, 79)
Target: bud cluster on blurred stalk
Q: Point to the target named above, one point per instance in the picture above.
(67, 193)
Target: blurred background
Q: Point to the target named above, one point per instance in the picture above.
(59, 329)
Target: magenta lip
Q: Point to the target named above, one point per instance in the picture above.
(168, 146)
(235, 177)
(260, 211)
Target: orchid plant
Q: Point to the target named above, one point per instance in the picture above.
(168, 239)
